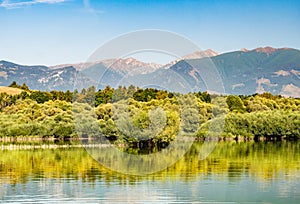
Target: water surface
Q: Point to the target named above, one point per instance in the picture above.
(233, 173)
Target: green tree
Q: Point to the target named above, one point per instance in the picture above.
(40, 96)
(104, 96)
(14, 85)
(204, 96)
(235, 104)
(24, 87)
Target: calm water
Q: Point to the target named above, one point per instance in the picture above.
(233, 173)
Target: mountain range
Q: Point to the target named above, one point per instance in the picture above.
(265, 69)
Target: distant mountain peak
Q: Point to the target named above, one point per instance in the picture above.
(268, 50)
(200, 54)
(7, 63)
(130, 65)
(212, 52)
(195, 55)
(120, 65)
(244, 50)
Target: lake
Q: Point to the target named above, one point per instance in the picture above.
(244, 172)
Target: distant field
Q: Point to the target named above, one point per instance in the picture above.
(10, 90)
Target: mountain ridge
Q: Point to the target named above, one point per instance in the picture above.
(276, 70)
(255, 70)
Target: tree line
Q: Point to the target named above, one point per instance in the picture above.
(119, 110)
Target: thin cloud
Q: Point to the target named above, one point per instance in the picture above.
(10, 4)
(88, 8)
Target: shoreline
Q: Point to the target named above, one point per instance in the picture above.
(49, 146)
(208, 138)
(21, 143)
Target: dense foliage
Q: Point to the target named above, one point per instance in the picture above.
(136, 116)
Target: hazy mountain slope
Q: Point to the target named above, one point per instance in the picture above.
(201, 54)
(242, 72)
(124, 66)
(40, 77)
(247, 72)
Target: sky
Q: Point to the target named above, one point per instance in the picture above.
(51, 32)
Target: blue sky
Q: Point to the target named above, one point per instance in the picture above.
(68, 31)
